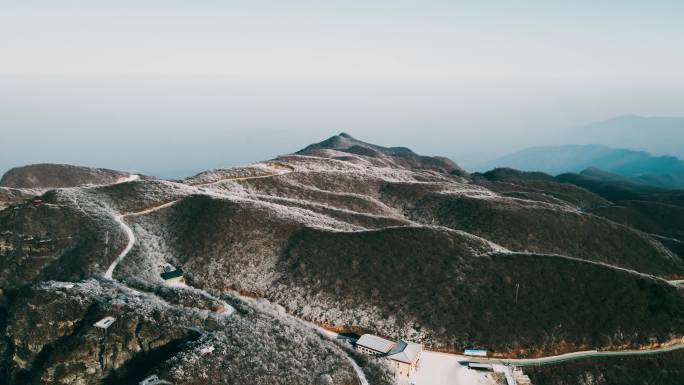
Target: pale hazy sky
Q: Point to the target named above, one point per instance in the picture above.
(180, 86)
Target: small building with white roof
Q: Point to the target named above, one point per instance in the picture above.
(104, 323)
(405, 356)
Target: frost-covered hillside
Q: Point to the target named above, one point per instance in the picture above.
(345, 234)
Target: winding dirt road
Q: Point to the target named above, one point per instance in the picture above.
(362, 378)
(131, 242)
(129, 231)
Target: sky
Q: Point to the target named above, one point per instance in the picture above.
(174, 87)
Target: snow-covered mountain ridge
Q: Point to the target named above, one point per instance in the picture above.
(352, 236)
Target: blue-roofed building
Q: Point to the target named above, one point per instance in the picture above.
(475, 352)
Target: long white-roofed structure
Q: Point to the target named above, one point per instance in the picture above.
(404, 355)
(374, 345)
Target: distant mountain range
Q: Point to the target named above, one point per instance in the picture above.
(638, 167)
(656, 134)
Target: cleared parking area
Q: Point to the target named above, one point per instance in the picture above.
(448, 369)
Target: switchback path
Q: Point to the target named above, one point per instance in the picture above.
(243, 178)
(125, 251)
(130, 235)
(131, 242)
(129, 231)
(362, 378)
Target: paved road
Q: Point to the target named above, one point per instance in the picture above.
(574, 356)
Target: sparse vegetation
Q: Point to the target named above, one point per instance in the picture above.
(360, 238)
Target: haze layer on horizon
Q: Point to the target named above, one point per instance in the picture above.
(173, 87)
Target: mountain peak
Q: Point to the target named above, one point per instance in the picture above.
(397, 156)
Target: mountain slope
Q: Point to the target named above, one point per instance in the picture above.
(648, 209)
(378, 280)
(44, 176)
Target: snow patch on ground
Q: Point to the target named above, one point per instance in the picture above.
(129, 178)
